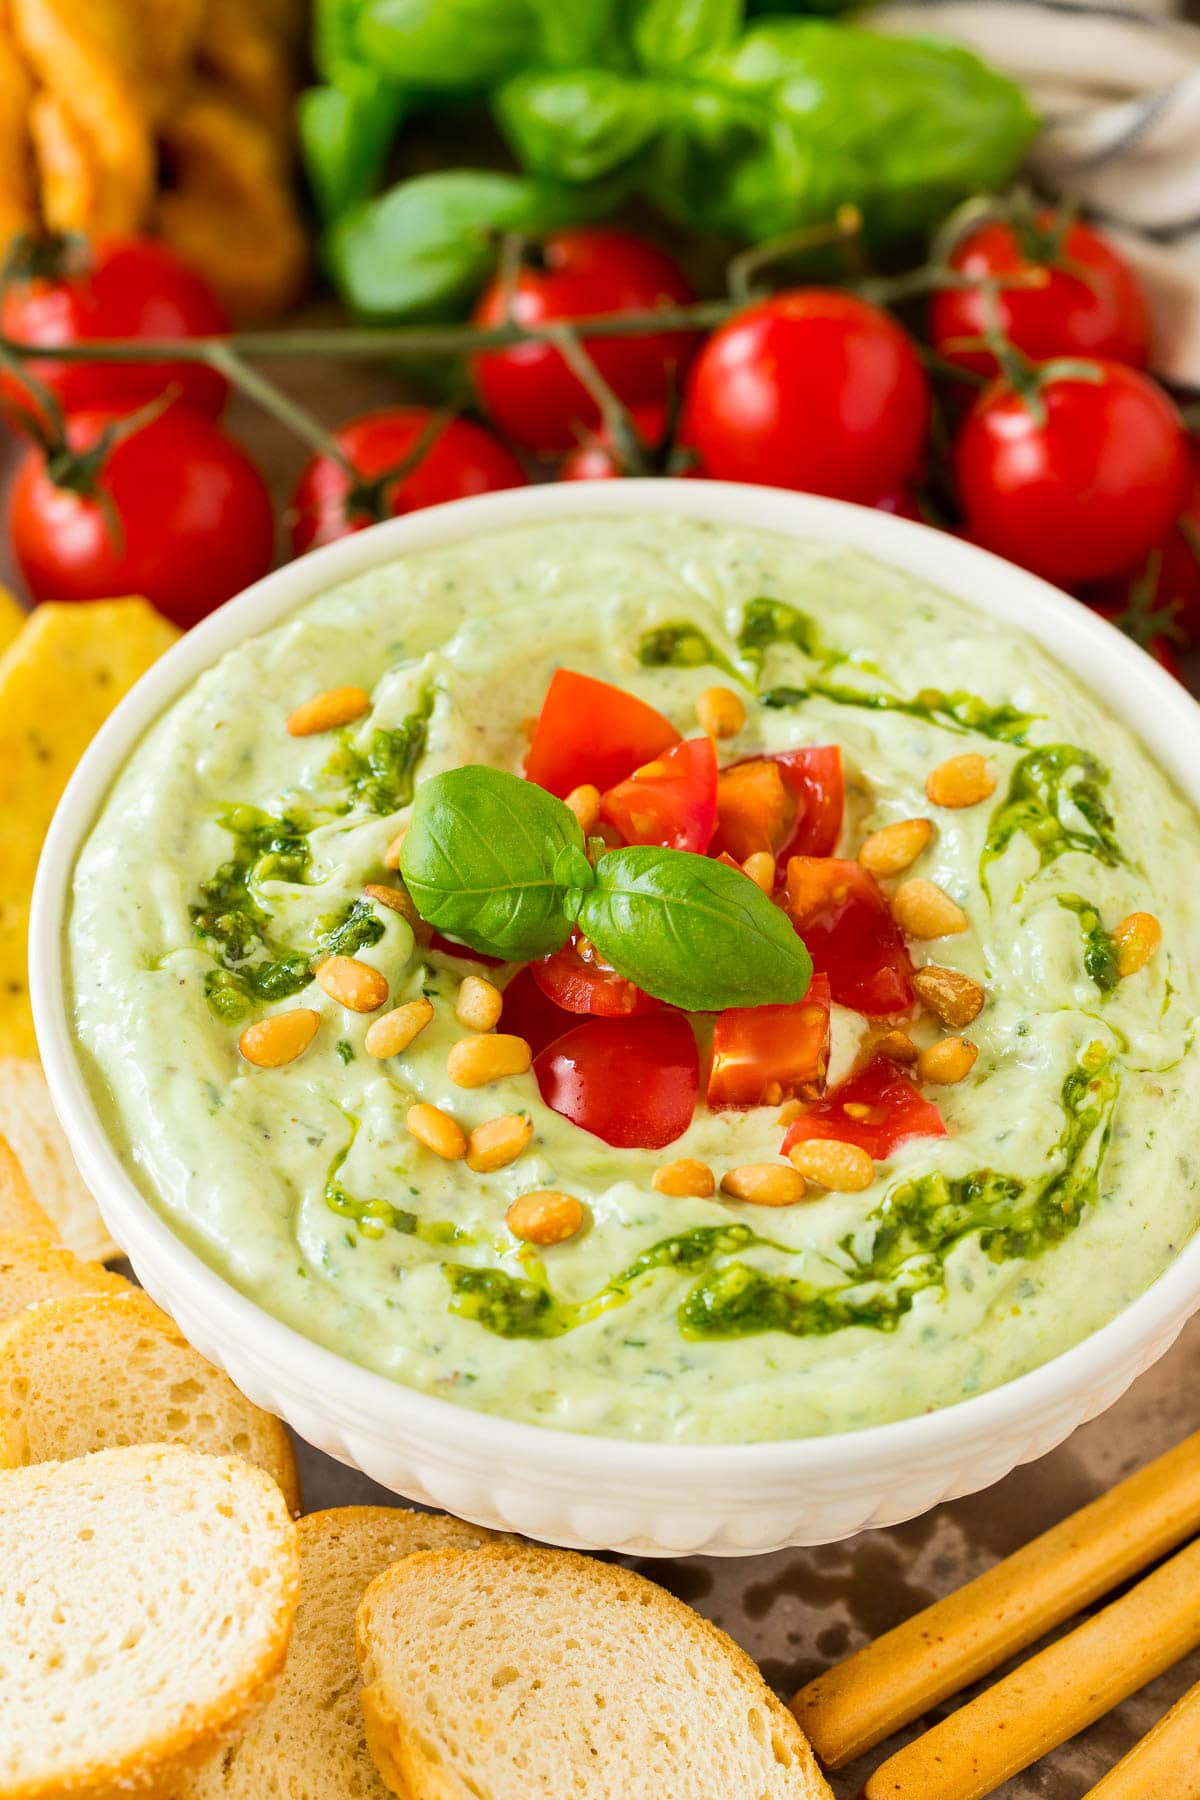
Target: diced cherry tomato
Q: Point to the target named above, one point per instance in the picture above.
(841, 913)
(632, 1082)
(789, 804)
(448, 947)
(530, 1014)
(765, 1054)
(675, 806)
(878, 1109)
(589, 731)
(587, 984)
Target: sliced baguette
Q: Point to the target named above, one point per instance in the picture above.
(146, 1597)
(19, 1211)
(31, 1269)
(512, 1672)
(30, 1124)
(308, 1743)
(95, 1371)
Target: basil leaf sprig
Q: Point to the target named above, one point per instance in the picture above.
(500, 865)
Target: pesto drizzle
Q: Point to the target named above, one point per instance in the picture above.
(681, 646)
(1045, 783)
(1099, 951)
(382, 775)
(958, 712)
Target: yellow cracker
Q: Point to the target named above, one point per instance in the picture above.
(12, 617)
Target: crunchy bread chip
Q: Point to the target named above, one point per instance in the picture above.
(32, 1270)
(146, 1598)
(59, 681)
(12, 613)
(308, 1743)
(20, 1214)
(250, 62)
(29, 1123)
(18, 196)
(95, 1371)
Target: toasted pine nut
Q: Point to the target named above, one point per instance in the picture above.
(395, 899)
(923, 910)
(1136, 939)
(760, 867)
(952, 996)
(353, 984)
(474, 1061)
(273, 1043)
(651, 771)
(545, 1217)
(947, 1061)
(764, 1184)
(584, 802)
(961, 781)
(840, 1167)
(687, 1176)
(479, 1003)
(721, 712)
(325, 712)
(894, 847)
(897, 1046)
(396, 1030)
(791, 1111)
(391, 856)
(437, 1131)
(498, 1142)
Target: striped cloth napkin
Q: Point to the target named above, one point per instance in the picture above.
(1117, 88)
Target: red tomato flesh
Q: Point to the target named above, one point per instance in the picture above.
(765, 1054)
(877, 1109)
(585, 984)
(589, 731)
(841, 913)
(671, 800)
(632, 1082)
(530, 1014)
(789, 804)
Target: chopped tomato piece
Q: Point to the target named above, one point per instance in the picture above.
(531, 1014)
(632, 1082)
(789, 804)
(587, 984)
(878, 1109)
(765, 1054)
(588, 731)
(448, 947)
(843, 916)
(671, 800)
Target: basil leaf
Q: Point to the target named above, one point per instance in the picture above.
(692, 931)
(578, 125)
(668, 34)
(346, 129)
(450, 47)
(481, 861)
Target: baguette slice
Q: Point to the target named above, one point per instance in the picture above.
(506, 1672)
(95, 1371)
(19, 1211)
(146, 1597)
(29, 1122)
(308, 1743)
(31, 1269)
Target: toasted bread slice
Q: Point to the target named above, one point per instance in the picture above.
(308, 1743)
(507, 1671)
(19, 1211)
(31, 1269)
(30, 1124)
(146, 1599)
(94, 1371)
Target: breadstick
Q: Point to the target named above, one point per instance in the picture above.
(1165, 1765)
(855, 1705)
(1055, 1694)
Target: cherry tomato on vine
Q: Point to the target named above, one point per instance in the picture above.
(132, 288)
(528, 390)
(1150, 631)
(596, 458)
(1161, 596)
(428, 461)
(1077, 479)
(812, 389)
(174, 510)
(1078, 296)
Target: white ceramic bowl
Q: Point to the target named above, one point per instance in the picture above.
(584, 1491)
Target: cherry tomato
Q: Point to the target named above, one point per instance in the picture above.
(632, 1082)
(587, 984)
(902, 502)
(589, 731)
(432, 463)
(1162, 594)
(177, 512)
(896, 1111)
(675, 806)
(1081, 482)
(133, 288)
(531, 1014)
(788, 804)
(1140, 628)
(841, 913)
(595, 459)
(1080, 299)
(812, 389)
(765, 1054)
(528, 390)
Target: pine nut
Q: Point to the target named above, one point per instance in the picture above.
(395, 1031)
(273, 1043)
(949, 1060)
(353, 984)
(1136, 939)
(391, 856)
(952, 996)
(961, 781)
(584, 802)
(895, 847)
(437, 1131)
(397, 900)
(497, 1142)
(897, 1046)
(545, 1217)
(688, 1176)
(325, 712)
(922, 910)
(721, 712)
(479, 1003)
(840, 1167)
(760, 867)
(474, 1061)
(764, 1184)
(651, 771)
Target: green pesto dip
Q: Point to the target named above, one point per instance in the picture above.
(230, 856)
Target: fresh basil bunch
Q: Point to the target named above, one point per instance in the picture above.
(500, 865)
